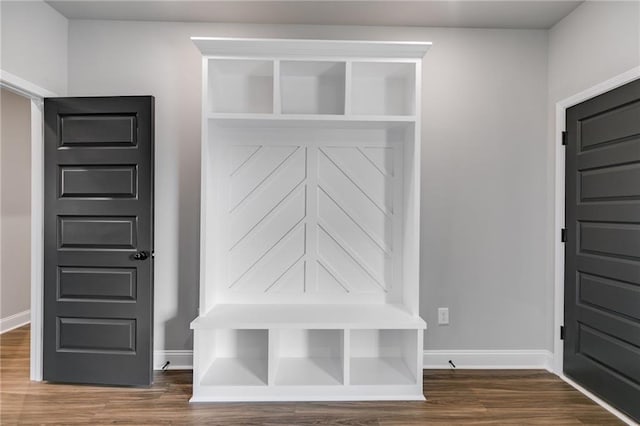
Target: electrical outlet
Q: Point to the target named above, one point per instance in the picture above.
(443, 316)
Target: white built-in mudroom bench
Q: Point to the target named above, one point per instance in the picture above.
(310, 221)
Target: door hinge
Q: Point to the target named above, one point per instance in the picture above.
(563, 235)
(564, 138)
(562, 332)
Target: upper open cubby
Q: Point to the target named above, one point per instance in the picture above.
(312, 87)
(383, 88)
(240, 86)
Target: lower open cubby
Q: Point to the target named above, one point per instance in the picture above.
(307, 357)
(383, 357)
(234, 357)
(297, 364)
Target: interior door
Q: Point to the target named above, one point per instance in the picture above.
(98, 242)
(602, 277)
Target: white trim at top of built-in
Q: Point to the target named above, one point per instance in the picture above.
(559, 223)
(36, 95)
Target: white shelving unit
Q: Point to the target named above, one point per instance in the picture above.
(310, 221)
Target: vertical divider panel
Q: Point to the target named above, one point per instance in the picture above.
(409, 341)
(205, 301)
(196, 360)
(311, 229)
(411, 204)
(398, 218)
(273, 355)
(419, 360)
(219, 202)
(347, 87)
(346, 352)
(277, 94)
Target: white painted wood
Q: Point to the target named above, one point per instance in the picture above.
(232, 358)
(430, 359)
(277, 92)
(37, 94)
(348, 84)
(305, 48)
(561, 107)
(346, 356)
(381, 88)
(380, 371)
(23, 87)
(205, 188)
(309, 357)
(14, 321)
(240, 86)
(313, 282)
(310, 120)
(37, 238)
(177, 359)
(411, 201)
(352, 216)
(309, 221)
(317, 316)
(292, 393)
(311, 371)
(312, 87)
(236, 372)
(384, 357)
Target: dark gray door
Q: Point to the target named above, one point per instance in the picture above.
(98, 240)
(602, 277)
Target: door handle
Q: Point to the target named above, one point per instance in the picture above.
(141, 255)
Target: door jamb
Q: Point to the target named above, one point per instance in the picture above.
(36, 95)
(559, 223)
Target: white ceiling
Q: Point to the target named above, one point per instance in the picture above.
(540, 14)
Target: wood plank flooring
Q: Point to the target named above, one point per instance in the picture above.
(473, 397)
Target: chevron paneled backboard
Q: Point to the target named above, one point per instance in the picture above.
(311, 222)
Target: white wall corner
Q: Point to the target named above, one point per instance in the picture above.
(178, 360)
(14, 321)
(489, 359)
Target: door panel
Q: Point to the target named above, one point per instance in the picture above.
(98, 297)
(97, 334)
(602, 258)
(97, 283)
(98, 130)
(98, 181)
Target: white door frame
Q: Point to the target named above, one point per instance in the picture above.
(36, 95)
(561, 108)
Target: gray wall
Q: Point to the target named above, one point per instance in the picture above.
(594, 43)
(34, 43)
(15, 203)
(488, 180)
(483, 222)
(597, 41)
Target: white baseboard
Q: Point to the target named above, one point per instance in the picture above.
(488, 359)
(599, 401)
(178, 360)
(463, 359)
(15, 321)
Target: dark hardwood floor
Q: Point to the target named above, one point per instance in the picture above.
(453, 397)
